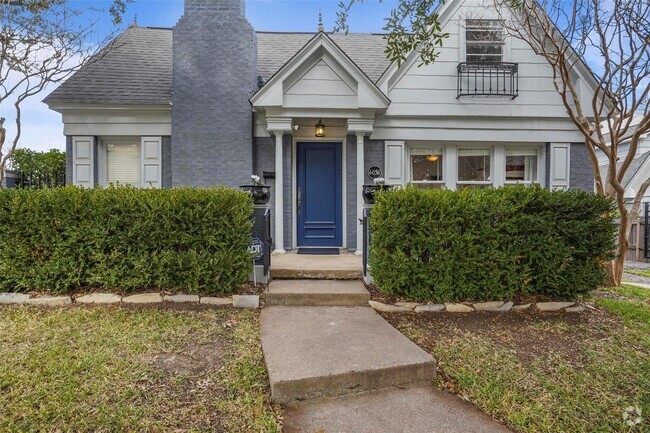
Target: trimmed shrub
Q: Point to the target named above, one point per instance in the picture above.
(490, 244)
(123, 238)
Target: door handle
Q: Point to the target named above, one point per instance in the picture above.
(299, 199)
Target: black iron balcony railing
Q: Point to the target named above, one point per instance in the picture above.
(488, 79)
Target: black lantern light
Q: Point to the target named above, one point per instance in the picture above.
(320, 128)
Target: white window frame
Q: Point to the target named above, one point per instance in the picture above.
(464, 41)
(490, 150)
(510, 151)
(104, 141)
(427, 150)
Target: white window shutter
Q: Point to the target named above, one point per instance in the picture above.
(560, 163)
(83, 162)
(151, 154)
(394, 163)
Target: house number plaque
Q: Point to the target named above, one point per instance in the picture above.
(374, 172)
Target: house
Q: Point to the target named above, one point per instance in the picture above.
(639, 170)
(211, 101)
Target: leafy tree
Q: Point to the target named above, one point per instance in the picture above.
(40, 168)
(562, 33)
(44, 42)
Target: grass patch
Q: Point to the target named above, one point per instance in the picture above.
(129, 369)
(641, 272)
(631, 292)
(545, 372)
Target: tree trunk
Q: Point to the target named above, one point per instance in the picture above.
(616, 266)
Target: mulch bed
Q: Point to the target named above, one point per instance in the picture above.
(527, 334)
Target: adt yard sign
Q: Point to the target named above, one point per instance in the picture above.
(257, 248)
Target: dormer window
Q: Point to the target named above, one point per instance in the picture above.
(484, 41)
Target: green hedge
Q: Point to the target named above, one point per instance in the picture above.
(489, 244)
(125, 239)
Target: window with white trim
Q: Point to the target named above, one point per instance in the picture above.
(521, 166)
(474, 167)
(123, 163)
(484, 41)
(426, 166)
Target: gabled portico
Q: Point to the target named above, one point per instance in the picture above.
(319, 84)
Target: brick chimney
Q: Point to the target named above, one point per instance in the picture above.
(215, 73)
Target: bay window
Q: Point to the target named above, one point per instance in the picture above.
(427, 168)
(474, 167)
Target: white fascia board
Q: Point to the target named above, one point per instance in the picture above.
(60, 107)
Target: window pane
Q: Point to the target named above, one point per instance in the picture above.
(473, 166)
(123, 163)
(484, 41)
(521, 168)
(483, 49)
(426, 167)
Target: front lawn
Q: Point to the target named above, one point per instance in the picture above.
(132, 369)
(546, 372)
(641, 272)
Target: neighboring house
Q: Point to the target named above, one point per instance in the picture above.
(10, 179)
(639, 170)
(211, 101)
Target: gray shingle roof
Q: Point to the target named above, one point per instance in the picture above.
(138, 70)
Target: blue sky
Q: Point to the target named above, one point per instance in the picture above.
(43, 129)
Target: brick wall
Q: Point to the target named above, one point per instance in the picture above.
(214, 74)
(581, 175)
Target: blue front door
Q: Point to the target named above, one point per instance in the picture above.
(319, 195)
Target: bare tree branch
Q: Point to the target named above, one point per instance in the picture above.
(44, 42)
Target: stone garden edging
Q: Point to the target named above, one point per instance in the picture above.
(493, 307)
(237, 301)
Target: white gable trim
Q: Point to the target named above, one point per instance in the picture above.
(320, 47)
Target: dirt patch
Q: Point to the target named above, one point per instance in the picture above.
(194, 359)
(528, 334)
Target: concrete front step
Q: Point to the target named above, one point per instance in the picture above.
(416, 409)
(344, 266)
(316, 274)
(317, 292)
(313, 353)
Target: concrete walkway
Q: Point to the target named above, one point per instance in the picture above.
(418, 409)
(345, 369)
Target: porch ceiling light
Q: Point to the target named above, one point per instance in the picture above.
(432, 158)
(320, 128)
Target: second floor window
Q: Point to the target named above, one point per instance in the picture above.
(484, 41)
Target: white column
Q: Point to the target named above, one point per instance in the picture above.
(279, 191)
(360, 179)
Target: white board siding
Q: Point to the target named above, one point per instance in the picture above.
(431, 90)
(83, 162)
(321, 79)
